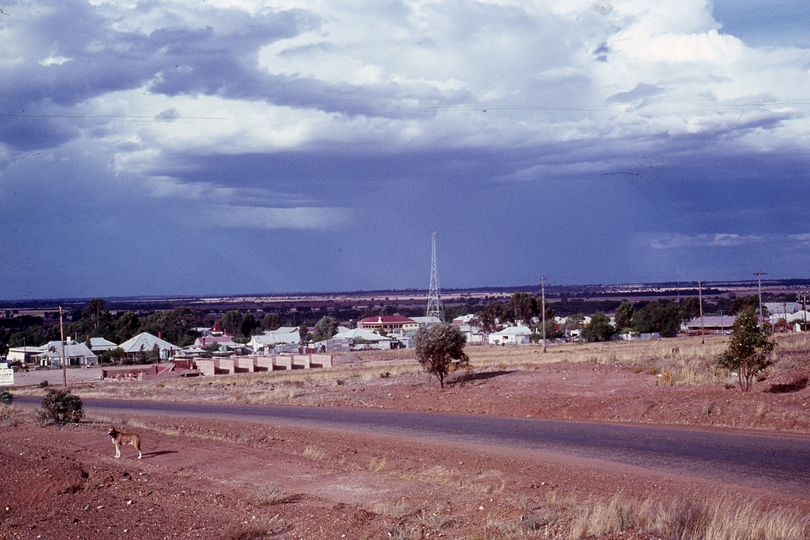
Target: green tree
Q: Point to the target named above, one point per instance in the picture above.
(440, 349)
(624, 315)
(127, 326)
(493, 314)
(599, 329)
(248, 325)
(690, 308)
(303, 333)
(231, 322)
(664, 318)
(94, 316)
(523, 306)
(271, 321)
(741, 303)
(155, 354)
(748, 352)
(325, 328)
(177, 325)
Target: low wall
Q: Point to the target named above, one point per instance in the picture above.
(206, 367)
(250, 364)
(243, 364)
(224, 366)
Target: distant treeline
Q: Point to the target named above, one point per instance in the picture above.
(179, 325)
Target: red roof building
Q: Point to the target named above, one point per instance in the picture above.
(397, 324)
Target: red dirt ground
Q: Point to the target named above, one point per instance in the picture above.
(212, 479)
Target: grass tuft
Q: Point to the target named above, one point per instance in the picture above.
(270, 495)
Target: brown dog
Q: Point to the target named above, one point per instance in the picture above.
(120, 439)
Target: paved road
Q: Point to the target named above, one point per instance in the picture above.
(776, 462)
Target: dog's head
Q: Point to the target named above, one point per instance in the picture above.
(112, 433)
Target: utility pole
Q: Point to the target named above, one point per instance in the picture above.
(759, 275)
(543, 308)
(700, 302)
(62, 334)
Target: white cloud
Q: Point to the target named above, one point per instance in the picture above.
(300, 218)
(667, 241)
(679, 241)
(54, 60)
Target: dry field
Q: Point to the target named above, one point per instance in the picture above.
(234, 480)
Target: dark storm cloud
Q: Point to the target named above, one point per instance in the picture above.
(180, 147)
(72, 53)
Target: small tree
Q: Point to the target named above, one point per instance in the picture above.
(599, 329)
(440, 349)
(303, 333)
(270, 321)
(155, 354)
(749, 350)
(5, 396)
(624, 315)
(325, 328)
(211, 349)
(60, 407)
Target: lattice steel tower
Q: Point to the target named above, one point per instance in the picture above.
(434, 307)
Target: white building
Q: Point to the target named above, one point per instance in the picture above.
(268, 341)
(76, 354)
(145, 343)
(511, 335)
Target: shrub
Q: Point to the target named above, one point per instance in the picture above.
(43, 384)
(440, 349)
(5, 396)
(749, 350)
(60, 407)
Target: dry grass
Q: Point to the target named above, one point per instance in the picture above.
(681, 519)
(377, 464)
(255, 529)
(313, 452)
(270, 495)
(684, 519)
(10, 415)
(398, 509)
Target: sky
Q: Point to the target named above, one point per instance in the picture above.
(221, 147)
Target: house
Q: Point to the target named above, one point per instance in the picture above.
(424, 322)
(223, 340)
(24, 355)
(781, 309)
(267, 342)
(100, 345)
(472, 334)
(464, 320)
(511, 335)
(76, 354)
(145, 343)
(711, 324)
(390, 324)
(363, 339)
